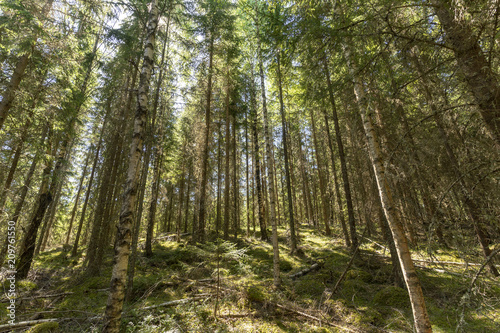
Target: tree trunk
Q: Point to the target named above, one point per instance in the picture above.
(227, 177)
(420, 316)
(473, 211)
(247, 188)
(305, 184)
(343, 163)
(270, 172)
(219, 181)
(200, 233)
(114, 306)
(325, 203)
(77, 198)
(10, 92)
(156, 148)
(479, 76)
(256, 154)
(29, 241)
(22, 197)
(188, 199)
(236, 195)
(293, 237)
(74, 251)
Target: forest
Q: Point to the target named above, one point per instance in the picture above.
(249, 166)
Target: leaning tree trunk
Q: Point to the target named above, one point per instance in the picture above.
(481, 80)
(10, 92)
(420, 316)
(112, 316)
(22, 197)
(473, 210)
(29, 241)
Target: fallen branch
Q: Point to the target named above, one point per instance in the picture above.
(174, 303)
(382, 246)
(6, 300)
(447, 262)
(433, 262)
(235, 315)
(493, 253)
(349, 264)
(314, 267)
(303, 314)
(341, 278)
(21, 324)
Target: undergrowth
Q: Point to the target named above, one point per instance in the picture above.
(230, 289)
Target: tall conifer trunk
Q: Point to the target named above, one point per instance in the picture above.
(270, 172)
(293, 236)
(256, 164)
(199, 234)
(343, 163)
(156, 148)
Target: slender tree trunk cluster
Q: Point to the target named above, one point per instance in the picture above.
(256, 119)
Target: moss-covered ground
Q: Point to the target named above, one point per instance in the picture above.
(246, 300)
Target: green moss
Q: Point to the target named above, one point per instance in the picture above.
(26, 285)
(357, 274)
(97, 282)
(309, 285)
(50, 327)
(354, 287)
(256, 294)
(366, 317)
(392, 296)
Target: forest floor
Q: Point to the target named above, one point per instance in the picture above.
(366, 300)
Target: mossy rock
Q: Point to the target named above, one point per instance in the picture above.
(26, 285)
(255, 294)
(392, 296)
(357, 274)
(309, 286)
(50, 327)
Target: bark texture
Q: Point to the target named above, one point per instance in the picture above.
(420, 316)
(478, 74)
(112, 317)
